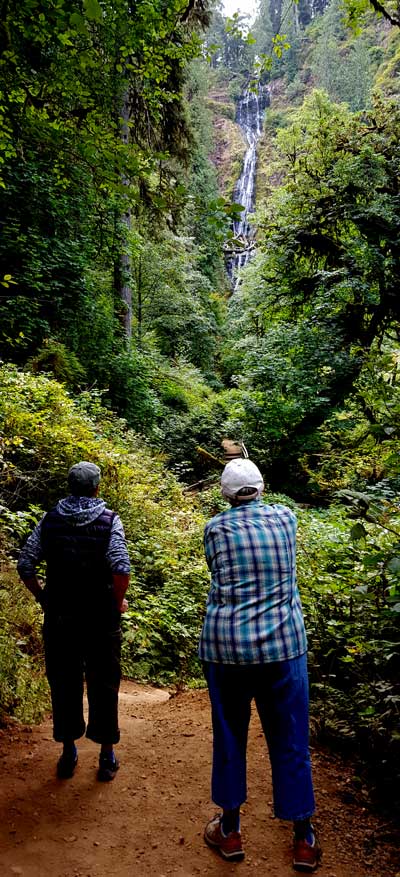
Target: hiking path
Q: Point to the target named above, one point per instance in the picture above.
(149, 821)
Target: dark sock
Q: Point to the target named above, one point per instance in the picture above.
(109, 754)
(231, 820)
(303, 830)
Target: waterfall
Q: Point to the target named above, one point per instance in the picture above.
(250, 117)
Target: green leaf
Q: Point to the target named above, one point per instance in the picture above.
(76, 20)
(357, 532)
(93, 10)
(393, 565)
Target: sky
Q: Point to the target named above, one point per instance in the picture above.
(244, 6)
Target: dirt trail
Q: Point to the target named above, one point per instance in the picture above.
(149, 821)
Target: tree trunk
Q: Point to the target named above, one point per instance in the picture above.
(139, 303)
(123, 268)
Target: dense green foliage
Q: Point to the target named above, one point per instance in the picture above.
(96, 166)
(349, 579)
(323, 289)
(43, 432)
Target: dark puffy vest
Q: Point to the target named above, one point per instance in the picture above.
(78, 577)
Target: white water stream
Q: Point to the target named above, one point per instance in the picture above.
(250, 118)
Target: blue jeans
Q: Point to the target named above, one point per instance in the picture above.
(280, 691)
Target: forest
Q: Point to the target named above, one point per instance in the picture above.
(130, 337)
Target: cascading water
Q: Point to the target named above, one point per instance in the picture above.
(250, 117)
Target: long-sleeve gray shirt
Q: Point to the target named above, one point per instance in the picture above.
(78, 511)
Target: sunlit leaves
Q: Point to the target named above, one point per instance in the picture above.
(7, 281)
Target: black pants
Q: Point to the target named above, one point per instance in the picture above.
(75, 651)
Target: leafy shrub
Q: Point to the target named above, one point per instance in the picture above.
(23, 688)
(174, 397)
(129, 390)
(350, 584)
(55, 357)
(44, 433)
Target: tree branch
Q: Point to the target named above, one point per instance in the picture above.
(185, 15)
(380, 8)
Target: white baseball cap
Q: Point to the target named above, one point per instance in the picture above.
(239, 474)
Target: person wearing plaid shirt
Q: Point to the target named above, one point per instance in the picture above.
(253, 646)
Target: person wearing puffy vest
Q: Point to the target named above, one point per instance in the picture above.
(87, 574)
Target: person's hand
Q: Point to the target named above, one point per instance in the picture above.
(124, 605)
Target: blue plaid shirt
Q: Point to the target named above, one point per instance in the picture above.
(253, 613)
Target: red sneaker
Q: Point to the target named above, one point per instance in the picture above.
(229, 846)
(306, 856)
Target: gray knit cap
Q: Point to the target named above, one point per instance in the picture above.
(83, 478)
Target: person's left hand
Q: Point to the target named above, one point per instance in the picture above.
(124, 605)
